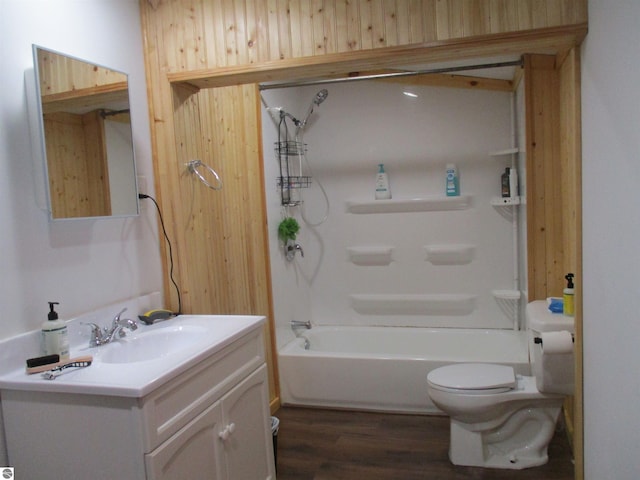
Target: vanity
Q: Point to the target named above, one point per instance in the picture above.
(185, 398)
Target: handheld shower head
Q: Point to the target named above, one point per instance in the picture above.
(320, 97)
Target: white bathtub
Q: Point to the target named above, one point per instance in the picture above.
(385, 368)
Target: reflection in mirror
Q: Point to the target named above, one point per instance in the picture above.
(87, 136)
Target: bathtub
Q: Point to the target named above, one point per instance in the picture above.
(385, 368)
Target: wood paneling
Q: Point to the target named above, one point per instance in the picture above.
(222, 257)
(59, 74)
(77, 168)
(217, 43)
(556, 39)
(221, 33)
(554, 198)
(571, 174)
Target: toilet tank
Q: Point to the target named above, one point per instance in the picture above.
(554, 372)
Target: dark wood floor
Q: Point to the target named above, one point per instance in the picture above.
(335, 445)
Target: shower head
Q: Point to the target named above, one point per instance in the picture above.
(320, 97)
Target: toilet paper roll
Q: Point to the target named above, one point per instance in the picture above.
(557, 342)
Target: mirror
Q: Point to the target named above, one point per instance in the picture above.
(87, 139)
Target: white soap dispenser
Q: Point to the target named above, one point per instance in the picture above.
(55, 336)
(382, 184)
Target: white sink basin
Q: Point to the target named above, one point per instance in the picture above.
(149, 346)
(146, 358)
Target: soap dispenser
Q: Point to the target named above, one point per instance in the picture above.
(568, 297)
(55, 336)
(383, 191)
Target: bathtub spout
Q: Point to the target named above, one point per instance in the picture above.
(298, 324)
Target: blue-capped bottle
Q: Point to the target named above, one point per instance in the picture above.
(453, 182)
(383, 192)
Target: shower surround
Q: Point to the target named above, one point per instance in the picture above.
(420, 260)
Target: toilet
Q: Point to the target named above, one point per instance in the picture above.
(500, 419)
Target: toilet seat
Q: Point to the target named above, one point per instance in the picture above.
(473, 378)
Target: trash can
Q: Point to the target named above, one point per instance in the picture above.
(275, 424)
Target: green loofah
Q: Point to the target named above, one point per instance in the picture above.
(288, 229)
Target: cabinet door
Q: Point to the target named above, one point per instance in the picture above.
(249, 446)
(193, 452)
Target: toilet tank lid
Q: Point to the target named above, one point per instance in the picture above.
(473, 376)
(540, 319)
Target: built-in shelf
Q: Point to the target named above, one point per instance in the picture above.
(502, 201)
(506, 294)
(370, 256)
(423, 204)
(428, 304)
(501, 153)
(449, 254)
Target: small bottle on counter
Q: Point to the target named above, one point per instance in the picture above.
(55, 336)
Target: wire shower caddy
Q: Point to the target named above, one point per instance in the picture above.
(290, 155)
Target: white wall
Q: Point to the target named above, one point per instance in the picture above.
(83, 264)
(611, 232)
(357, 127)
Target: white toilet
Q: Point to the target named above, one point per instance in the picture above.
(500, 419)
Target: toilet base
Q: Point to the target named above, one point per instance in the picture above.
(519, 442)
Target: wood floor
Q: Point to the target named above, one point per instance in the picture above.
(315, 444)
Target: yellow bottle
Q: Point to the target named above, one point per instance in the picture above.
(567, 297)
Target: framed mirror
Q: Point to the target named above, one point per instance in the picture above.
(86, 136)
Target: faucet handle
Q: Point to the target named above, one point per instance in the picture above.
(96, 334)
(116, 319)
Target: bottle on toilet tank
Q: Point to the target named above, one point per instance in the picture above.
(568, 307)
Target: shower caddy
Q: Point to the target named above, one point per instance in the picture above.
(290, 155)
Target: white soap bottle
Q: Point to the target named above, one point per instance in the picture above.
(513, 182)
(55, 336)
(382, 184)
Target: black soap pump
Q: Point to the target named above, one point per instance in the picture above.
(55, 336)
(568, 296)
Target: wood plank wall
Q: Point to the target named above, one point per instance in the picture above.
(571, 173)
(187, 40)
(77, 165)
(61, 74)
(186, 35)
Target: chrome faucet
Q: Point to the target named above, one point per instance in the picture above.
(291, 248)
(102, 336)
(298, 324)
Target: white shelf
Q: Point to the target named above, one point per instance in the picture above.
(506, 294)
(423, 204)
(504, 201)
(449, 254)
(435, 304)
(501, 153)
(370, 256)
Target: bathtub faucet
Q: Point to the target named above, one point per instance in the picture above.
(298, 324)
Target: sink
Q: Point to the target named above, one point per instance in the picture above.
(152, 345)
(137, 364)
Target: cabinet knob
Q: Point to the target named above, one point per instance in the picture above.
(228, 430)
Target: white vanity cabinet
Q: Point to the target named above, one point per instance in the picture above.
(210, 421)
(226, 441)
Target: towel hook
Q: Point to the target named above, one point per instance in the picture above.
(193, 168)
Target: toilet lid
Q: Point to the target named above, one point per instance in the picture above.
(473, 376)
